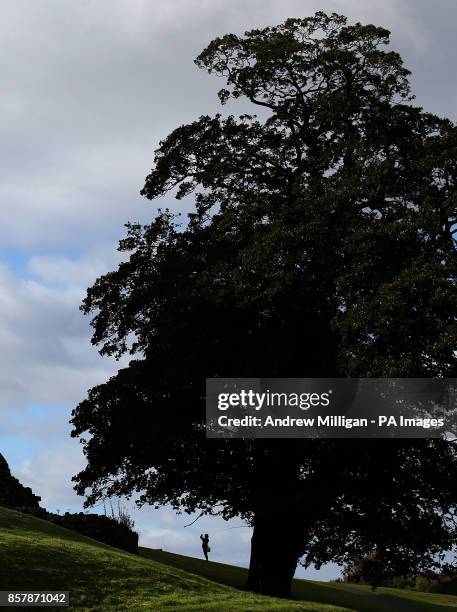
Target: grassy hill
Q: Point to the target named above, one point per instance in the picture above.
(35, 554)
(350, 596)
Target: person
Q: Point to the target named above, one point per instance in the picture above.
(205, 544)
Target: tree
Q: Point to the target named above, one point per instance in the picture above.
(320, 244)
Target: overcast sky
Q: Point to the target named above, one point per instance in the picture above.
(89, 87)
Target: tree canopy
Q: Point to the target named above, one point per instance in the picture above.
(320, 243)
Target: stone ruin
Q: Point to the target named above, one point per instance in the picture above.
(12, 493)
(102, 528)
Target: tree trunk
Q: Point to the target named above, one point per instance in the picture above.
(275, 551)
(279, 521)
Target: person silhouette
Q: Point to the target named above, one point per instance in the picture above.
(205, 544)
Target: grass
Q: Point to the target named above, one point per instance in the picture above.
(37, 555)
(353, 597)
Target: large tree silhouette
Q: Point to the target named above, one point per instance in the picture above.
(320, 244)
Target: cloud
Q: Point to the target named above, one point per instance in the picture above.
(90, 88)
(46, 353)
(87, 96)
(69, 273)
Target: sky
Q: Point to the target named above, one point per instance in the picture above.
(89, 87)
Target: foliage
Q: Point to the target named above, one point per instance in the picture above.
(124, 518)
(320, 245)
(121, 516)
